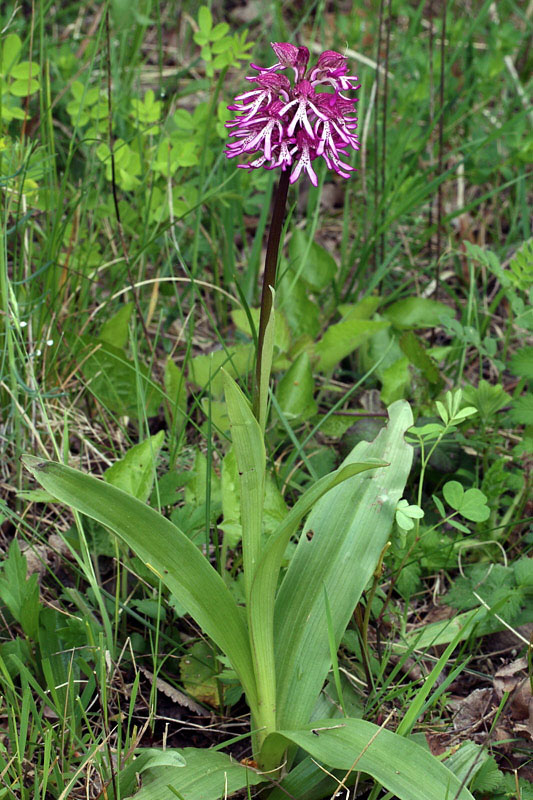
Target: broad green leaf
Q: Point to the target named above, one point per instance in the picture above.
(25, 71)
(207, 775)
(463, 413)
(199, 675)
(24, 88)
(395, 761)
(301, 313)
(350, 525)
(319, 267)
(282, 334)
(487, 398)
(523, 570)
(206, 371)
(343, 338)
(219, 31)
(249, 447)
(168, 488)
(115, 330)
(122, 14)
(522, 410)
(442, 632)
(231, 494)
(474, 506)
(453, 494)
(296, 389)
(196, 489)
(427, 432)
(20, 592)
(176, 389)
(135, 472)
(336, 425)
(417, 312)
(467, 760)
(205, 19)
(266, 367)
(217, 411)
(36, 496)
(361, 310)
(61, 670)
(114, 380)
(308, 780)
(275, 508)
(262, 600)
(395, 381)
(250, 456)
(471, 504)
(165, 549)
(418, 356)
(10, 50)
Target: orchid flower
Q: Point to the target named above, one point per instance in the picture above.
(291, 120)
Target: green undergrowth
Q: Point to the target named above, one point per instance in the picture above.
(130, 257)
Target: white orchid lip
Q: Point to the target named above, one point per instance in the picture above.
(290, 124)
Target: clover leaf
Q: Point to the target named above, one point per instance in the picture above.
(405, 514)
(471, 504)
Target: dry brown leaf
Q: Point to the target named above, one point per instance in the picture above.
(509, 676)
(514, 678)
(472, 710)
(36, 558)
(174, 694)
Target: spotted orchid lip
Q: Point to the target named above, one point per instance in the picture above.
(292, 119)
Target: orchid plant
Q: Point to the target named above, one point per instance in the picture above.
(282, 643)
(292, 119)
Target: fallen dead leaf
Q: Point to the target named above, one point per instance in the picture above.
(36, 558)
(473, 710)
(514, 678)
(174, 694)
(509, 676)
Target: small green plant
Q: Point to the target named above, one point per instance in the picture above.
(154, 150)
(220, 49)
(18, 79)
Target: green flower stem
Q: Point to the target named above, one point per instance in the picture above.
(269, 279)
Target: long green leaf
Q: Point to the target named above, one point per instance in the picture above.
(438, 633)
(405, 768)
(163, 547)
(350, 526)
(249, 447)
(207, 775)
(308, 780)
(251, 462)
(262, 599)
(266, 364)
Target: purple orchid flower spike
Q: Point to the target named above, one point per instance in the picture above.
(290, 122)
